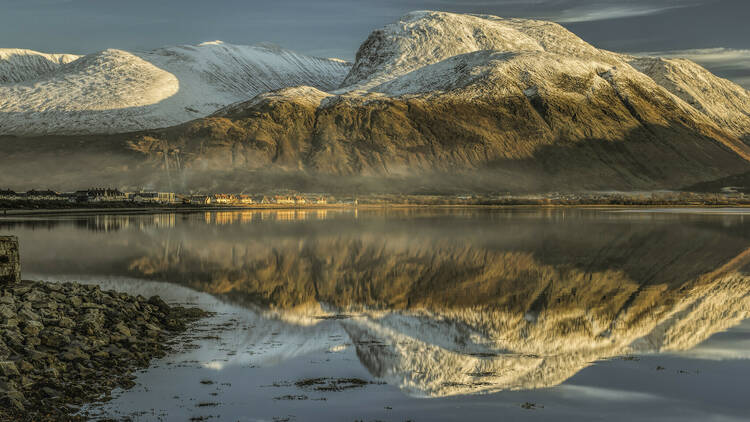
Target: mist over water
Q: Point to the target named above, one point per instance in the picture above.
(477, 310)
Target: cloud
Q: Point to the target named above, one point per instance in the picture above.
(733, 64)
(594, 13)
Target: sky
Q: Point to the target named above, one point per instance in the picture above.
(715, 33)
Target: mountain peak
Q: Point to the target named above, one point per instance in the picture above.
(422, 38)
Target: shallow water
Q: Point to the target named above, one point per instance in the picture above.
(549, 314)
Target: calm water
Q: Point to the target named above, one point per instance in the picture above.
(427, 315)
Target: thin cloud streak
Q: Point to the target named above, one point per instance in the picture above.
(611, 12)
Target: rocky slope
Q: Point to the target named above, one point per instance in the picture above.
(120, 91)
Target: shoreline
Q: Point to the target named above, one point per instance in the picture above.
(182, 209)
(63, 345)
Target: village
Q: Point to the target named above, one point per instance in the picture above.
(115, 196)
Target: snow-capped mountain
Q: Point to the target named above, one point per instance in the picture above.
(435, 99)
(429, 51)
(120, 91)
(423, 38)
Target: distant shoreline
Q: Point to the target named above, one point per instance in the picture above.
(192, 209)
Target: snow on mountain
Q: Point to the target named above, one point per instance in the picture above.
(437, 52)
(119, 91)
(423, 38)
(18, 65)
(423, 53)
(725, 102)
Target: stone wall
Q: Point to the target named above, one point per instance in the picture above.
(10, 262)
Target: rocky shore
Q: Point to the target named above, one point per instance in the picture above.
(62, 345)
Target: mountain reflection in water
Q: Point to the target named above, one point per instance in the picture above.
(436, 302)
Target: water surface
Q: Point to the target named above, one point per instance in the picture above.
(426, 314)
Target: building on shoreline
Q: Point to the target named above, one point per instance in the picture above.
(199, 200)
(9, 195)
(43, 195)
(283, 200)
(154, 197)
(224, 199)
(112, 195)
(99, 195)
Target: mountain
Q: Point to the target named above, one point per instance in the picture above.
(438, 102)
(119, 91)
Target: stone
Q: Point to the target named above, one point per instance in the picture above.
(35, 296)
(32, 327)
(7, 311)
(24, 366)
(4, 350)
(15, 399)
(159, 303)
(32, 341)
(52, 372)
(21, 290)
(92, 321)
(50, 392)
(102, 354)
(55, 338)
(8, 369)
(7, 385)
(66, 322)
(28, 315)
(55, 287)
(74, 354)
(57, 296)
(13, 338)
(122, 329)
(10, 323)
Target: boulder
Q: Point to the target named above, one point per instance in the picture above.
(8, 369)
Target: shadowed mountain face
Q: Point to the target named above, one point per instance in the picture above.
(438, 304)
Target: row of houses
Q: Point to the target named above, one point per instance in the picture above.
(115, 195)
(232, 199)
(89, 195)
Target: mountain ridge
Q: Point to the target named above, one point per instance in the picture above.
(115, 91)
(476, 101)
